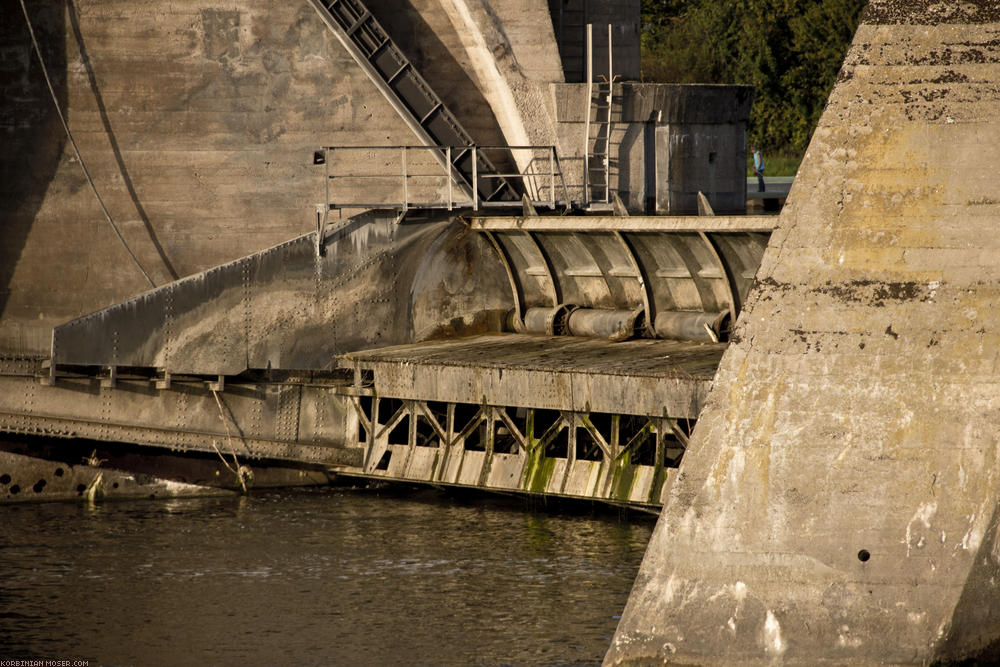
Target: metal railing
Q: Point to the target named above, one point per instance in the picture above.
(407, 177)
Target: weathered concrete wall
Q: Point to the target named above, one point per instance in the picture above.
(197, 121)
(569, 21)
(838, 503)
(513, 54)
(424, 31)
(378, 283)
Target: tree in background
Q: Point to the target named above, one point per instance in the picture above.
(789, 50)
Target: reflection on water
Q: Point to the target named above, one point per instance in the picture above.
(312, 578)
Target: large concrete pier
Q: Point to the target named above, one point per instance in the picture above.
(838, 502)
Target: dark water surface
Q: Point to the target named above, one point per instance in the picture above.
(322, 577)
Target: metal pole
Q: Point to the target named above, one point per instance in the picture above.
(406, 197)
(607, 136)
(450, 177)
(552, 175)
(586, 125)
(610, 68)
(475, 178)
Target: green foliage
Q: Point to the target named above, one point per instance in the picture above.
(777, 164)
(789, 50)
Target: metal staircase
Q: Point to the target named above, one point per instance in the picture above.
(412, 97)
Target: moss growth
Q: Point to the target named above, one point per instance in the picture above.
(623, 477)
(659, 476)
(538, 473)
(539, 470)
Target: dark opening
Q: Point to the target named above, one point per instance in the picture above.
(366, 406)
(558, 448)
(39, 485)
(541, 422)
(383, 463)
(400, 435)
(602, 422)
(504, 441)
(426, 435)
(634, 433)
(387, 409)
(465, 415)
(863, 555)
(587, 448)
(5, 479)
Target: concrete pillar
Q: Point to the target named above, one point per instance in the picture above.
(838, 503)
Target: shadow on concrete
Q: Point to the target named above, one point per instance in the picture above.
(30, 129)
(974, 633)
(420, 43)
(126, 178)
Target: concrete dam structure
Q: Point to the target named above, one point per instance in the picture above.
(454, 242)
(295, 212)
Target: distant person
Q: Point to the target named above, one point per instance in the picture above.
(758, 167)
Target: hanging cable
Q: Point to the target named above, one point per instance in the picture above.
(244, 475)
(69, 135)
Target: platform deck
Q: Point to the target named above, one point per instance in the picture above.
(548, 372)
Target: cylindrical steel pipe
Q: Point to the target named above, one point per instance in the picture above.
(550, 321)
(689, 325)
(568, 320)
(597, 323)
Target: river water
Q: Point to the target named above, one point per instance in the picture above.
(314, 577)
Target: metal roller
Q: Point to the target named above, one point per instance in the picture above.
(550, 321)
(694, 326)
(599, 323)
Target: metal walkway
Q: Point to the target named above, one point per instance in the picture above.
(410, 95)
(554, 415)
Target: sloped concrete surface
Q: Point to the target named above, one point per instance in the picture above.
(838, 504)
(377, 283)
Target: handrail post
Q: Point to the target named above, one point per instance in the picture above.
(475, 178)
(406, 197)
(586, 125)
(552, 175)
(447, 151)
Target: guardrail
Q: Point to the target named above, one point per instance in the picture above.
(405, 177)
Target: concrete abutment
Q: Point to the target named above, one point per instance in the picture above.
(838, 502)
